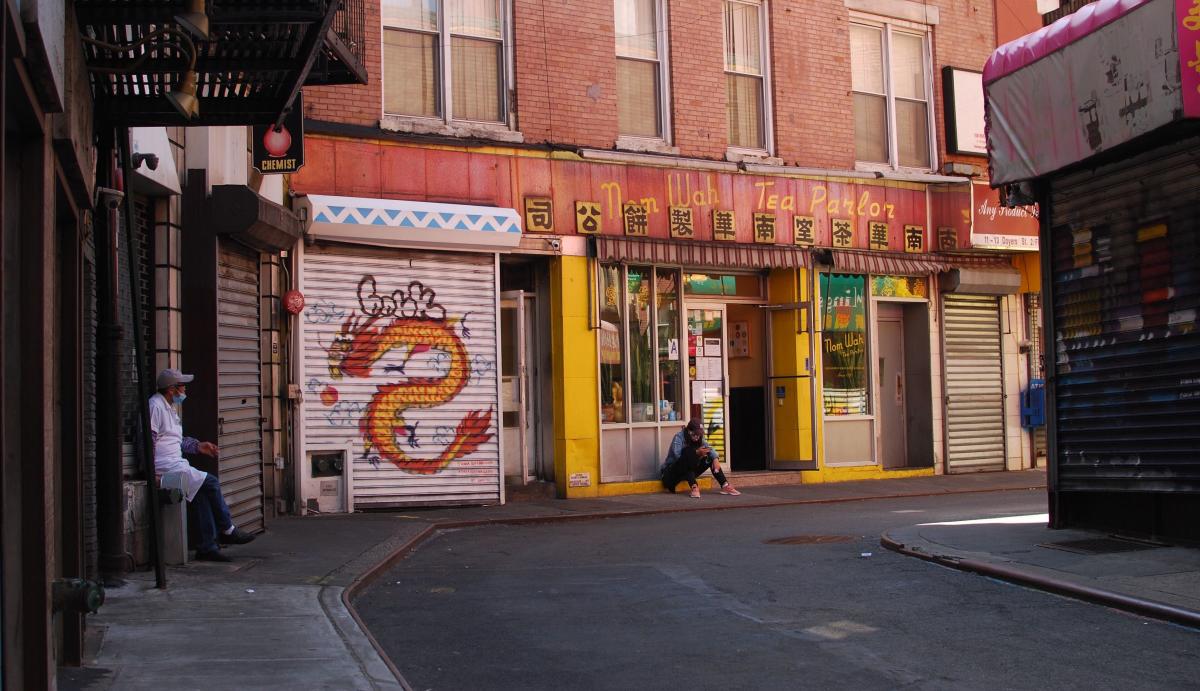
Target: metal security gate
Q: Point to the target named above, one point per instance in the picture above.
(239, 389)
(974, 379)
(400, 368)
(1126, 321)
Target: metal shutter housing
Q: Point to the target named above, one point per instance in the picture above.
(239, 386)
(974, 382)
(454, 296)
(1124, 244)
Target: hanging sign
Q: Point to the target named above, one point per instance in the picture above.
(281, 150)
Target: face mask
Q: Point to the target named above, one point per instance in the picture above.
(179, 398)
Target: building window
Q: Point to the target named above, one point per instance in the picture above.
(892, 87)
(445, 59)
(640, 375)
(745, 73)
(844, 344)
(641, 75)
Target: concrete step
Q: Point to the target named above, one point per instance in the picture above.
(534, 491)
(759, 478)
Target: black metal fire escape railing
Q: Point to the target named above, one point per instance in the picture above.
(224, 62)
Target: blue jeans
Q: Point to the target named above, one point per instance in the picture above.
(209, 514)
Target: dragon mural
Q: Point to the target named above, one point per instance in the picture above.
(412, 320)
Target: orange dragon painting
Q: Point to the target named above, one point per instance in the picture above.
(410, 320)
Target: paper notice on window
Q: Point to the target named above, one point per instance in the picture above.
(712, 347)
(708, 368)
(673, 349)
(697, 392)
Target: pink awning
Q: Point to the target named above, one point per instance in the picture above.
(1028, 49)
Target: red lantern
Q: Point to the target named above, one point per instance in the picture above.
(293, 301)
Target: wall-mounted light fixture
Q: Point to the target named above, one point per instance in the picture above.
(183, 98)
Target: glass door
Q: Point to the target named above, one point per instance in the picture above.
(707, 374)
(514, 386)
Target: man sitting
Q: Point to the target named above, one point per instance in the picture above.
(688, 457)
(202, 489)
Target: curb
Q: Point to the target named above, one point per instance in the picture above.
(1128, 603)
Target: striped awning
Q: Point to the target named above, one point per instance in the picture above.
(717, 255)
(399, 223)
(886, 263)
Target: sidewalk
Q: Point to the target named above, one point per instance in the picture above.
(278, 616)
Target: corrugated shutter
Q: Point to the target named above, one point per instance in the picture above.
(444, 305)
(974, 383)
(239, 391)
(1126, 292)
(701, 254)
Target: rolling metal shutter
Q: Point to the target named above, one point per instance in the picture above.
(239, 389)
(974, 383)
(1126, 293)
(435, 325)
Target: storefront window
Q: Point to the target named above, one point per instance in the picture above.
(730, 285)
(612, 347)
(640, 366)
(899, 287)
(641, 358)
(666, 293)
(844, 344)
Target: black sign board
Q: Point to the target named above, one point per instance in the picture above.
(281, 150)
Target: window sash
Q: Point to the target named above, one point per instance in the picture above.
(744, 106)
(907, 140)
(639, 98)
(460, 80)
(637, 27)
(743, 38)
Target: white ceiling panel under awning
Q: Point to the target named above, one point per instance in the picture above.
(398, 223)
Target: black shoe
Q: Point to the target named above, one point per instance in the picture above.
(237, 537)
(214, 555)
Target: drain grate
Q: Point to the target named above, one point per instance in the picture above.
(810, 540)
(1099, 545)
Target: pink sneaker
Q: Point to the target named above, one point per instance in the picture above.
(695, 493)
(728, 489)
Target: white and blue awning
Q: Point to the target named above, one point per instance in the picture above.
(425, 225)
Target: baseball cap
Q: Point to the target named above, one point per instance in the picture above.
(170, 377)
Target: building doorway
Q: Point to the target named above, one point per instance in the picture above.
(526, 424)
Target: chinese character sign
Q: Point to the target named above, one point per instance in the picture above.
(637, 221)
(539, 215)
(723, 226)
(914, 239)
(682, 225)
(843, 233)
(803, 230)
(878, 235)
(947, 239)
(587, 218)
(764, 228)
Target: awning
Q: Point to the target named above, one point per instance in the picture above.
(700, 254)
(1087, 83)
(885, 263)
(396, 223)
(240, 212)
(982, 281)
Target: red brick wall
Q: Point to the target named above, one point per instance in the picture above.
(566, 85)
(964, 38)
(355, 104)
(697, 54)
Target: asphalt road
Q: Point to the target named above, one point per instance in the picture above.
(704, 601)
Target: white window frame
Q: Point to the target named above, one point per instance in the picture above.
(446, 123)
(661, 143)
(768, 120)
(889, 26)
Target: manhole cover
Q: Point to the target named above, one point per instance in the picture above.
(810, 540)
(1099, 545)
